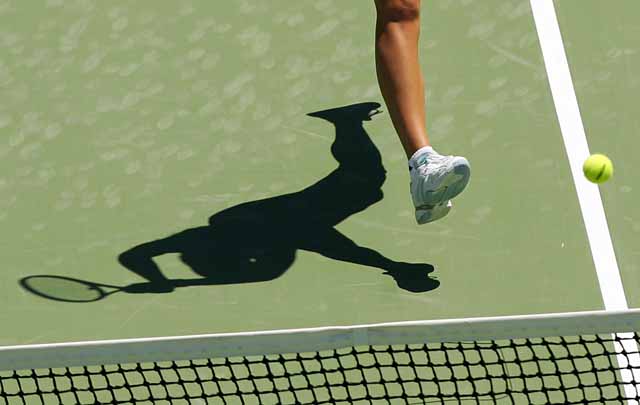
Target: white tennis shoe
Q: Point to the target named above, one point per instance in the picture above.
(435, 180)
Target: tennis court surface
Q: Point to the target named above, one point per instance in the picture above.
(242, 149)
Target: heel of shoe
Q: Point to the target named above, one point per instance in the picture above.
(462, 175)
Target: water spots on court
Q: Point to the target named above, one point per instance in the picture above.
(210, 61)
(120, 24)
(277, 187)
(245, 188)
(132, 167)
(186, 9)
(222, 28)
(321, 31)
(105, 104)
(211, 107)
(130, 100)
(514, 10)
(487, 108)
(154, 90)
(116, 154)
(185, 153)
(452, 94)
(256, 41)
(267, 62)
(498, 83)
(237, 84)
(46, 174)
(341, 77)
(166, 122)
(232, 147)
(64, 202)
(299, 88)
(295, 20)
(480, 136)
(70, 39)
(197, 35)
(5, 120)
(481, 29)
(327, 7)
(6, 77)
(604, 76)
(11, 43)
(522, 92)
(244, 101)
(196, 54)
(480, 215)
(93, 61)
(36, 58)
(261, 111)
(528, 40)
(544, 163)
(288, 138)
(442, 125)
(17, 139)
(151, 57)
(186, 214)
(111, 196)
(31, 151)
(128, 69)
(615, 53)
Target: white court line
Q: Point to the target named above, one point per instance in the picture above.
(575, 141)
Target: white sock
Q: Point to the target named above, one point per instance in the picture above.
(422, 151)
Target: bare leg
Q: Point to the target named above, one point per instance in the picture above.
(398, 68)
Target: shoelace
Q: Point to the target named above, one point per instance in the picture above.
(431, 161)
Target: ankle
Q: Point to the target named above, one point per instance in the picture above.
(418, 156)
(421, 151)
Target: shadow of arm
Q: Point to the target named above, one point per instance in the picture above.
(139, 259)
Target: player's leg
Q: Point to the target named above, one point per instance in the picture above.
(434, 178)
(398, 68)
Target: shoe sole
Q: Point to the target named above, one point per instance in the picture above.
(433, 213)
(450, 186)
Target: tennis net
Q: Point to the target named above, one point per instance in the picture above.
(571, 358)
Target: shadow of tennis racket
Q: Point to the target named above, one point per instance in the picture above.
(69, 289)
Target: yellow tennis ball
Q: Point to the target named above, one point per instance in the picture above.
(597, 168)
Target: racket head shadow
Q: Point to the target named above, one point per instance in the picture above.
(63, 289)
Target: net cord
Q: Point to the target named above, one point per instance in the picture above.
(71, 354)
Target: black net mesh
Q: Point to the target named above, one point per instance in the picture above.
(562, 370)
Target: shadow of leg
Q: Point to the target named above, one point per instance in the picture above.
(413, 277)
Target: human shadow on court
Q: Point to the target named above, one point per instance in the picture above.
(257, 240)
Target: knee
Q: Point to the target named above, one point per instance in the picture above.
(398, 10)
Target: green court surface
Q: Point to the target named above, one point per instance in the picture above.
(604, 58)
(124, 123)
